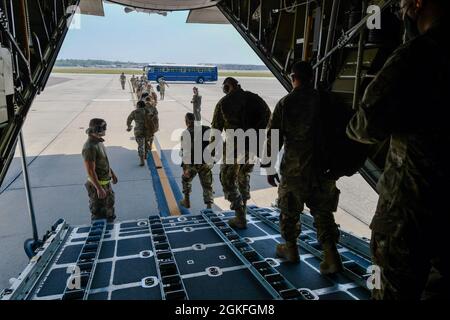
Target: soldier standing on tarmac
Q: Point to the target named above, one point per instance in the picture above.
(197, 104)
(100, 174)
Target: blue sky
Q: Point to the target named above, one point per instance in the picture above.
(140, 37)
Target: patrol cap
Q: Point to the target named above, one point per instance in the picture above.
(96, 125)
(231, 81)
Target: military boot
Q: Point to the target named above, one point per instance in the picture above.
(288, 251)
(186, 202)
(142, 162)
(239, 221)
(331, 262)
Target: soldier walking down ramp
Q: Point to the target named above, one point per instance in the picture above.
(152, 121)
(197, 104)
(139, 116)
(295, 118)
(100, 174)
(133, 81)
(190, 167)
(230, 113)
(407, 103)
(123, 80)
(152, 94)
(162, 87)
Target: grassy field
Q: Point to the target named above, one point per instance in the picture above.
(225, 73)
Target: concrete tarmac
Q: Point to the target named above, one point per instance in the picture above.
(55, 132)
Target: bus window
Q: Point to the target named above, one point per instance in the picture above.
(199, 74)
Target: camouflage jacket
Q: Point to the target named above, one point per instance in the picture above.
(235, 109)
(228, 115)
(95, 151)
(152, 124)
(196, 143)
(139, 118)
(229, 110)
(407, 103)
(295, 117)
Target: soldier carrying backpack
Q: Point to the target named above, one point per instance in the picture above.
(297, 119)
(238, 109)
(335, 154)
(145, 120)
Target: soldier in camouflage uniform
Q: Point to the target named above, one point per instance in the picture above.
(197, 104)
(123, 80)
(133, 81)
(152, 94)
(139, 89)
(295, 117)
(100, 174)
(407, 103)
(152, 121)
(191, 169)
(162, 87)
(235, 178)
(139, 116)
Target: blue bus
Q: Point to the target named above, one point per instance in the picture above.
(170, 72)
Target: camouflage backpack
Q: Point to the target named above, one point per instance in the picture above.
(335, 154)
(151, 122)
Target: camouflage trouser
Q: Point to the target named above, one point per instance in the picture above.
(101, 208)
(293, 194)
(144, 145)
(162, 93)
(206, 180)
(235, 180)
(407, 254)
(197, 113)
(123, 85)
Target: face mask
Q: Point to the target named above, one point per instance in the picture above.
(411, 30)
(102, 134)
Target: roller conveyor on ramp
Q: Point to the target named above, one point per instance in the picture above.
(196, 256)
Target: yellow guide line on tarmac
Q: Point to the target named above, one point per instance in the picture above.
(167, 189)
(174, 210)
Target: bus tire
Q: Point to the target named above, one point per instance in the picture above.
(200, 80)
